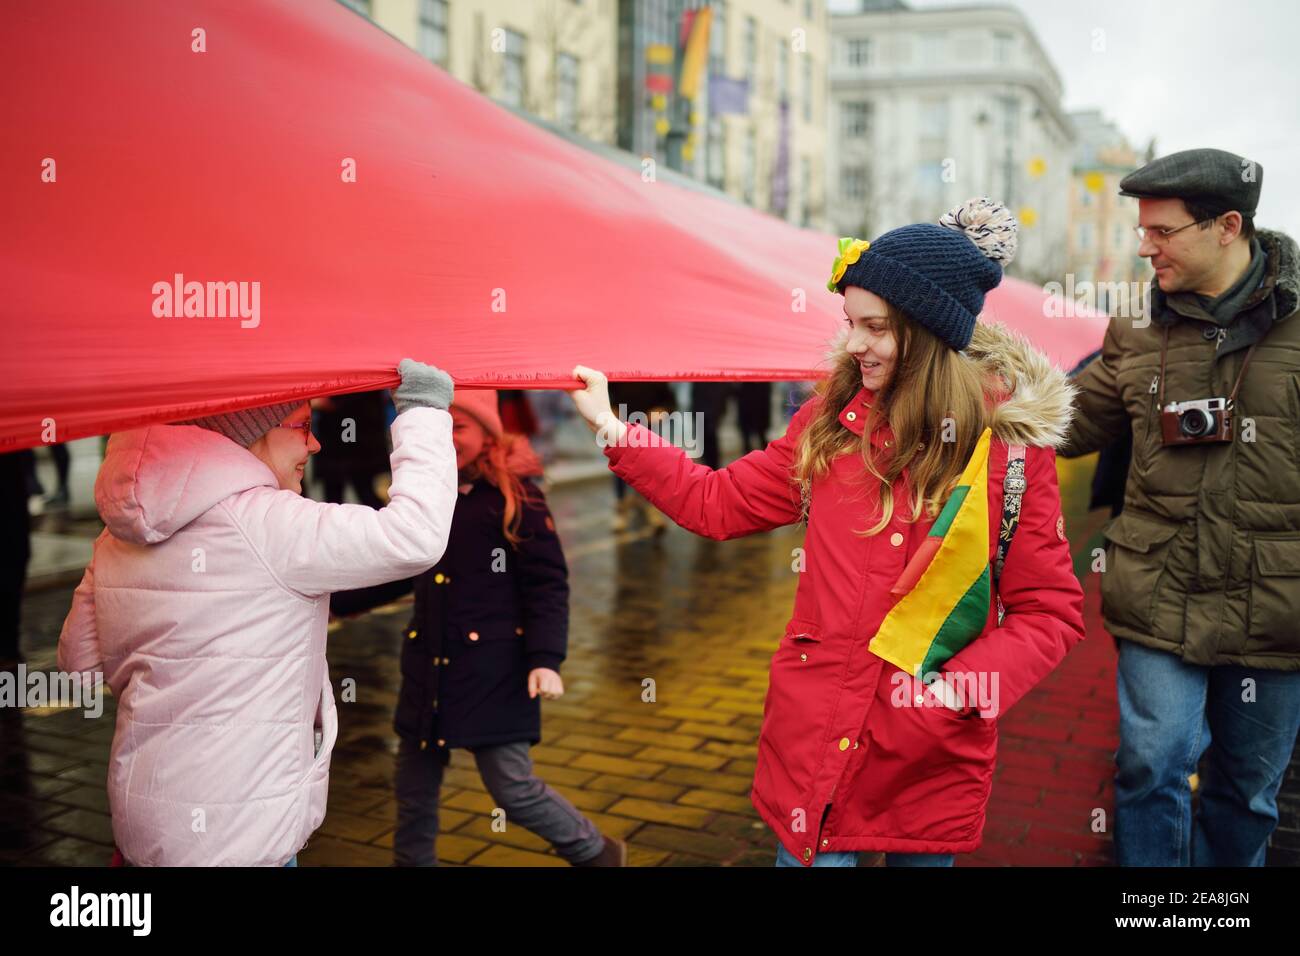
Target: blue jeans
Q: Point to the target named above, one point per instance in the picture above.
(1170, 714)
(785, 858)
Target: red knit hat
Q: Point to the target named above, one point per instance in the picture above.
(481, 403)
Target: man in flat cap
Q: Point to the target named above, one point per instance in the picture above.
(1201, 582)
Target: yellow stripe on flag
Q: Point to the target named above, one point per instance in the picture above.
(910, 627)
(697, 53)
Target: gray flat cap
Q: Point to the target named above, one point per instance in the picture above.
(1222, 180)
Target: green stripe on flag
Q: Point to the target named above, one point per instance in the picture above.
(950, 509)
(963, 624)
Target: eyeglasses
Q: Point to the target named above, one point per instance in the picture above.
(304, 427)
(1156, 234)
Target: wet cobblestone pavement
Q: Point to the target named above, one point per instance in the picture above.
(672, 776)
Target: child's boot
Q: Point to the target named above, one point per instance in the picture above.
(612, 853)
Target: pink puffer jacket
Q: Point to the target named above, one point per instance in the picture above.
(205, 606)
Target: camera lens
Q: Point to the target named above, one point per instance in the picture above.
(1196, 423)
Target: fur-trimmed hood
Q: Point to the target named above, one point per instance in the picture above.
(1282, 273)
(1039, 402)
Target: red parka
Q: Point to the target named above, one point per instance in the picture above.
(847, 759)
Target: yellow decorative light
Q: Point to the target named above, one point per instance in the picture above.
(1037, 166)
(1027, 215)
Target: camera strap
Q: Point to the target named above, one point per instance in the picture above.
(1236, 386)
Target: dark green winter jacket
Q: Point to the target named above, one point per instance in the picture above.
(1204, 561)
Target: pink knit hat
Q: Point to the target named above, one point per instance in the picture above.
(482, 404)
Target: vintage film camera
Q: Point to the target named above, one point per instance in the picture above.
(1201, 421)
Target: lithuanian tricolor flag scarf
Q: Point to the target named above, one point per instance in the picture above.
(946, 587)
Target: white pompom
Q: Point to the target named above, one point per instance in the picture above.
(988, 224)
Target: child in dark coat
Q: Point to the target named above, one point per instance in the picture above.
(485, 645)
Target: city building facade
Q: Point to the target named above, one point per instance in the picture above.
(931, 107)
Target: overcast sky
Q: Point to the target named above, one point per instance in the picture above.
(1186, 72)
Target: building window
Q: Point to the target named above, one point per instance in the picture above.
(807, 88)
(934, 48)
(809, 10)
(566, 90)
(717, 165)
(805, 191)
(360, 6)
(855, 119)
(513, 78)
(1010, 108)
(857, 52)
(1003, 48)
(751, 50)
(750, 172)
(433, 30)
(782, 69)
(718, 39)
(853, 182)
(1083, 236)
(929, 189)
(934, 120)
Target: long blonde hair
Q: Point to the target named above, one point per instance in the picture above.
(937, 403)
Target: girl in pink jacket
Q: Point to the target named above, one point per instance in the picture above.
(205, 606)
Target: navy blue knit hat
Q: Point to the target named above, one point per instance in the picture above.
(937, 274)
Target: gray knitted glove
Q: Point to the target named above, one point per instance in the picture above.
(423, 386)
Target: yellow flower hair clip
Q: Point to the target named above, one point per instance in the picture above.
(850, 250)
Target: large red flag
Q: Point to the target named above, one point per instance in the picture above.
(212, 205)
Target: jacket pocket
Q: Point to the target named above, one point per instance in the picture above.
(803, 632)
(928, 772)
(487, 632)
(1275, 596)
(329, 734)
(803, 686)
(800, 647)
(1130, 583)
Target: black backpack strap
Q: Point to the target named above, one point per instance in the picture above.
(1013, 489)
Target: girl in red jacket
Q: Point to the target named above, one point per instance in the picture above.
(898, 464)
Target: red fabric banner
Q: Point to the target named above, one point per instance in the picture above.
(214, 205)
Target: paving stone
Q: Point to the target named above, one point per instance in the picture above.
(652, 811)
(501, 855)
(602, 763)
(650, 789)
(712, 800)
(682, 758)
(84, 824)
